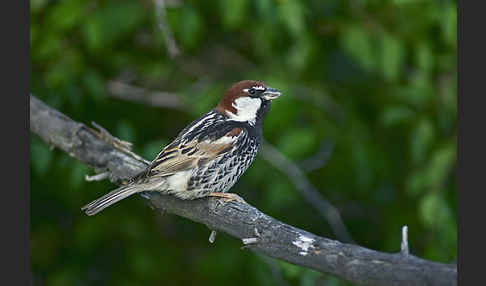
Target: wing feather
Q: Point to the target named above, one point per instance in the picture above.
(180, 156)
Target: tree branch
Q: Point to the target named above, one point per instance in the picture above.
(270, 236)
(125, 91)
(170, 42)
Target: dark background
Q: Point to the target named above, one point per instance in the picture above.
(368, 112)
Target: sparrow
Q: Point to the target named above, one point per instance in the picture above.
(209, 155)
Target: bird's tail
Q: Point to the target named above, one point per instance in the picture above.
(112, 197)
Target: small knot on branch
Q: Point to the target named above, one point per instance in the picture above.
(251, 240)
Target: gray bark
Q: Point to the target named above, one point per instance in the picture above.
(258, 231)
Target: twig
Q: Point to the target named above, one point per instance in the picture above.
(212, 236)
(106, 136)
(138, 94)
(98, 177)
(250, 240)
(320, 100)
(276, 239)
(319, 159)
(404, 245)
(121, 145)
(308, 191)
(170, 42)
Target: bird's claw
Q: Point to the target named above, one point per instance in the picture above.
(227, 197)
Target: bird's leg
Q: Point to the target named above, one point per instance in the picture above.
(227, 197)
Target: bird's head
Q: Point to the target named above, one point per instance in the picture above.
(247, 101)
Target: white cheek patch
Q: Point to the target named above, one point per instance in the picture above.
(246, 109)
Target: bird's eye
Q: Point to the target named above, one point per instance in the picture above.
(251, 91)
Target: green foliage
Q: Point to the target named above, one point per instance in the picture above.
(42, 158)
(99, 33)
(359, 44)
(188, 26)
(234, 13)
(392, 57)
(295, 143)
(377, 79)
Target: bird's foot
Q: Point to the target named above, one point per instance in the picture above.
(227, 197)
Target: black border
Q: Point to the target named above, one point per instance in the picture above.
(470, 186)
(15, 210)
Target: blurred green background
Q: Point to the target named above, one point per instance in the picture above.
(368, 112)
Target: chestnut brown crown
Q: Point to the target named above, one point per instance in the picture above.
(245, 88)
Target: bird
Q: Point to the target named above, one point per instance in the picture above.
(209, 155)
